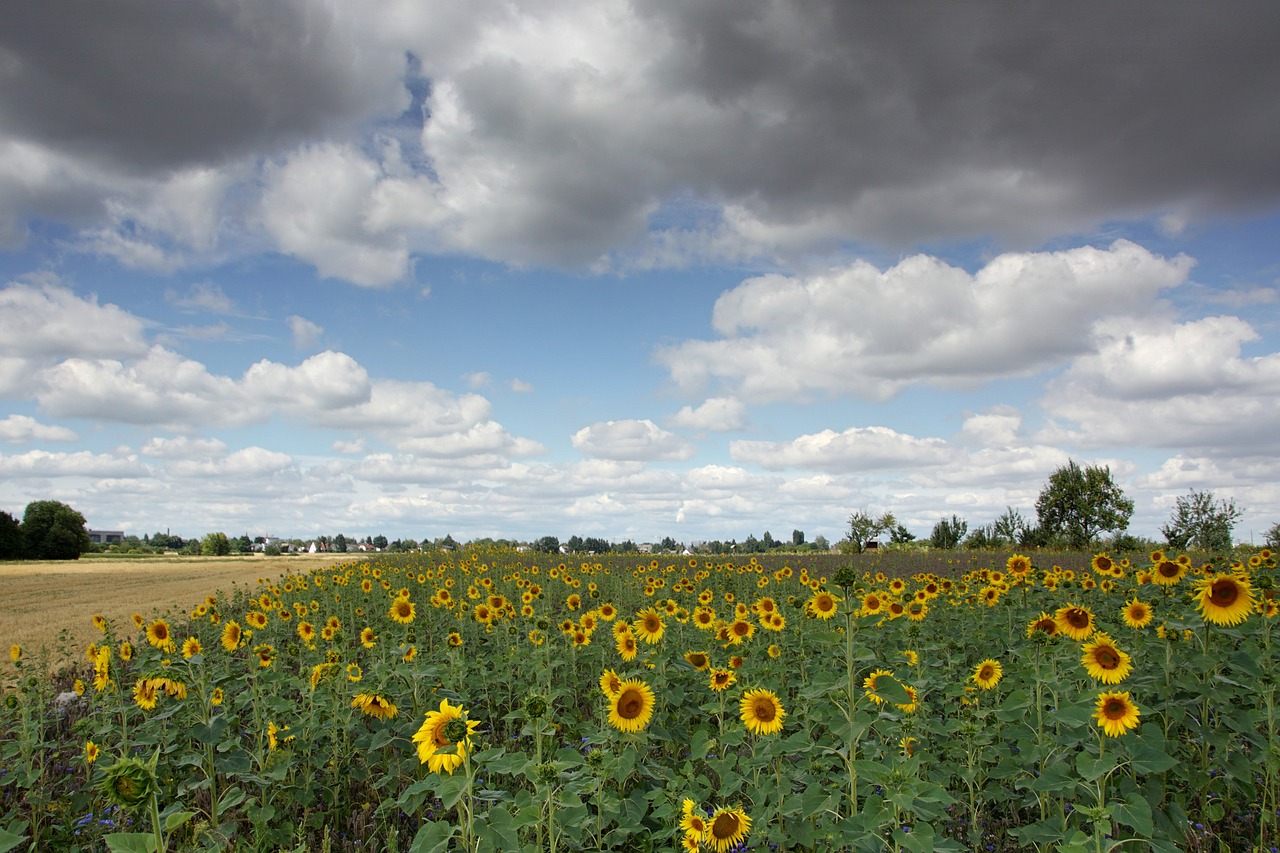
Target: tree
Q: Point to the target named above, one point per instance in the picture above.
(820, 543)
(1200, 521)
(10, 537)
(379, 542)
(547, 545)
(574, 544)
(863, 527)
(1080, 503)
(1010, 527)
(51, 530)
(948, 533)
(797, 538)
(1273, 535)
(340, 543)
(215, 545)
(595, 545)
(669, 544)
(900, 535)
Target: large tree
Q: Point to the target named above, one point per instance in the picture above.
(10, 538)
(1201, 521)
(1077, 504)
(863, 527)
(51, 530)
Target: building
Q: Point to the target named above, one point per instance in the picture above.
(106, 537)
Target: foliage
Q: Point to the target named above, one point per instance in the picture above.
(1080, 503)
(11, 544)
(948, 533)
(215, 545)
(985, 737)
(1201, 521)
(51, 530)
(1273, 536)
(864, 527)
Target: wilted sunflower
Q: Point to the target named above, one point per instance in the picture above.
(988, 674)
(762, 712)
(1137, 614)
(727, 828)
(1075, 622)
(373, 705)
(402, 611)
(159, 635)
(444, 738)
(631, 708)
(1224, 599)
(231, 636)
(1104, 661)
(648, 625)
(1116, 713)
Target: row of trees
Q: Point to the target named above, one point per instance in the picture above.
(1076, 506)
(49, 530)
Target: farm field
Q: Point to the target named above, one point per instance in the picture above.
(486, 700)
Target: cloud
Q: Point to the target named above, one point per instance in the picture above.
(857, 449)
(181, 447)
(203, 296)
(639, 440)
(858, 330)
(41, 463)
(717, 414)
(19, 429)
(519, 386)
(476, 379)
(306, 334)
(40, 322)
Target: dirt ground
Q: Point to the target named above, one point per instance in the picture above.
(47, 607)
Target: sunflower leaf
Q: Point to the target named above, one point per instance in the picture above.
(432, 837)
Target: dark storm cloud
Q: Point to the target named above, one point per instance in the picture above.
(153, 85)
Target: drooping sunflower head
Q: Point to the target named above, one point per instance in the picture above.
(631, 708)
(698, 660)
(1224, 599)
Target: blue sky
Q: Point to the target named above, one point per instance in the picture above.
(652, 269)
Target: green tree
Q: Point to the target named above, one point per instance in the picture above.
(10, 537)
(1273, 535)
(948, 533)
(1080, 503)
(340, 543)
(863, 526)
(1010, 527)
(797, 538)
(1201, 521)
(547, 545)
(51, 530)
(900, 535)
(215, 545)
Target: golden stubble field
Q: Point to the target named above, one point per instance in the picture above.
(39, 601)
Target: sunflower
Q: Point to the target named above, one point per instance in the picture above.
(90, 752)
(1102, 564)
(914, 703)
(610, 683)
(266, 654)
(872, 603)
(373, 705)
(692, 823)
(740, 630)
(1167, 572)
(231, 636)
(822, 605)
(1224, 599)
(762, 712)
(144, 693)
(626, 644)
(721, 679)
(99, 622)
(728, 827)
(455, 640)
(987, 674)
(631, 708)
(273, 735)
(1075, 622)
(367, 637)
(1116, 713)
(402, 611)
(15, 652)
(1104, 661)
(190, 647)
(1018, 565)
(698, 660)
(441, 746)
(870, 682)
(1044, 624)
(648, 625)
(306, 632)
(354, 672)
(159, 635)
(1137, 614)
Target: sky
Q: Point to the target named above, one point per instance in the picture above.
(633, 269)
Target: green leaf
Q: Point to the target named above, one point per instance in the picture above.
(176, 820)
(1148, 752)
(1092, 768)
(432, 837)
(132, 842)
(9, 840)
(230, 798)
(1135, 812)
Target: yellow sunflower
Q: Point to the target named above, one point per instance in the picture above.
(90, 752)
(402, 611)
(444, 738)
(1167, 572)
(727, 828)
(649, 626)
(610, 683)
(159, 635)
(190, 647)
(266, 654)
(1044, 624)
(1104, 661)
(721, 679)
(692, 823)
(1116, 713)
(144, 693)
(632, 707)
(367, 638)
(762, 712)
(1137, 614)
(231, 636)
(1018, 565)
(698, 660)
(1224, 599)
(822, 605)
(987, 674)
(455, 640)
(1075, 622)
(626, 644)
(373, 705)
(869, 684)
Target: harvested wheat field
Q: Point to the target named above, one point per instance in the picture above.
(49, 605)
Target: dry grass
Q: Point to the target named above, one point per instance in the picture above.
(46, 607)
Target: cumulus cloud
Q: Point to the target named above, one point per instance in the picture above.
(19, 429)
(859, 330)
(639, 440)
(718, 414)
(40, 322)
(306, 334)
(182, 447)
(854, 450)
(41, 463)
(521, 387)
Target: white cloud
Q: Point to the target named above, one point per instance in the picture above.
(18, 429)
(476, 379)
(717, 414)
(202, 296)
(306, 334)
(858, 330)
(49, 321)
(519, 386)
(182, 447)
(857, 449)
(41, 463)
(640, 440)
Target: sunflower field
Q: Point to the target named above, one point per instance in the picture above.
(489, 701)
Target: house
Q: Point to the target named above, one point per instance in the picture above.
(106, 537)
